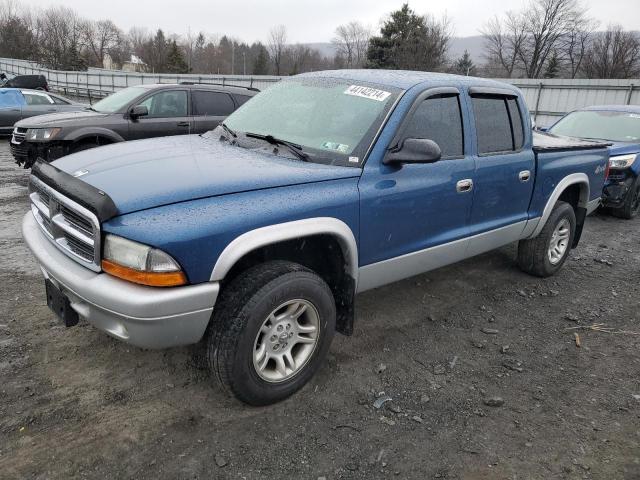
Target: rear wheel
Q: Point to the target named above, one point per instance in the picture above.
(270, 331)
(631, 206)
(545, 254)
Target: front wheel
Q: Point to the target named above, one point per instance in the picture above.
(270, 332)
(545, 254)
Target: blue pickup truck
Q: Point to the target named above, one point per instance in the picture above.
(252, 240)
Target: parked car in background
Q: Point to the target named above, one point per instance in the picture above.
(17, 104)
(619, 124)
(255, 238)
(33, 82)
(131, 114)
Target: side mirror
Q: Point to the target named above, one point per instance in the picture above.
(138, 111)
(415, 150)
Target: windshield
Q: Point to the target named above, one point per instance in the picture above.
(119, 100)
(334, 121)
(600, 124)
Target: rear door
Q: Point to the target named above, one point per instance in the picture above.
(505, 164)
(210, 108)
(168, 115)
(11, 103)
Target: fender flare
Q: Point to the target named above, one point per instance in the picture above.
(92, 132)
(575, 178)
(261, 237)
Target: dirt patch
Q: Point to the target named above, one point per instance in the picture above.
(75, 403)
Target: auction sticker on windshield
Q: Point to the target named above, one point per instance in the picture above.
(367, 92)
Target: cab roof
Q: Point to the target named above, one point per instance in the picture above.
(405, 79)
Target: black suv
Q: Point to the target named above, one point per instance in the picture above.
(133, 113)
(34, 82)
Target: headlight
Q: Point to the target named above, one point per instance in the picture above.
(140, 263)
(42, 134)
(622, 161)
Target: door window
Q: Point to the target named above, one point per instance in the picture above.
(213, 104)
(439, 119)
(499, 126)
(37, 99)
(172, 103)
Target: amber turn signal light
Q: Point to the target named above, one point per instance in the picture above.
(151, 279)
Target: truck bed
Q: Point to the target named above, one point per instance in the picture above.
(544, 142)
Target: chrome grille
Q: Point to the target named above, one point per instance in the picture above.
(71, 227)
(18, 135)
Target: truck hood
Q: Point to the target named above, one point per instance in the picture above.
(61, 119)
(149, 173)
(623, 148)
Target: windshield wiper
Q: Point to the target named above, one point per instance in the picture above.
(292, 147)
(91, 108)
(228, 130)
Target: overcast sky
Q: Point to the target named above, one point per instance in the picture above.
(308, 20)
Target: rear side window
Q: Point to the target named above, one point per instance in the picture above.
(439, 119)
(242, 99)
(499, 125)
(215, 104)
(58, 100)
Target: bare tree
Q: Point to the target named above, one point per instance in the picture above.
(277, 44)
(575, 42)
(100, 38)
(523, 41)
(60, 34)
(503, 41)
(351, 41)
(613, 54)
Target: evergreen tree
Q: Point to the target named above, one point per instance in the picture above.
(261, 61)
(409, 41)
(464, 65)
(553, 66)
(175, 60)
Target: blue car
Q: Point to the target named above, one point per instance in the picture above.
(619, 124)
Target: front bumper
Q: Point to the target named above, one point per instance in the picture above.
(618, 185)
(147, 317)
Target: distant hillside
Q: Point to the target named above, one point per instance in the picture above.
(458, 45)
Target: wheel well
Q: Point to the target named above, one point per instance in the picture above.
(320, 253)
(93, 140)
(572, 195)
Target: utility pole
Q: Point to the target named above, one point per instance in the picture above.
(244, 63)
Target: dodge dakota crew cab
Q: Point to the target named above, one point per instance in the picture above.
(254, 238)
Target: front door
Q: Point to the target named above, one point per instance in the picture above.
(168, 115)
(414, 217)
(505, 168)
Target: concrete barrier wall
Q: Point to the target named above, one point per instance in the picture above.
(548, 99)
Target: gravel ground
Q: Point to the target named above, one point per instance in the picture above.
(75, 403)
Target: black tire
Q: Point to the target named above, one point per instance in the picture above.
(242, 308)
(631, 206)
(533, 254)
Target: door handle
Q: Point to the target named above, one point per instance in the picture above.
(183, 124)
(464, 186)
(524, 176)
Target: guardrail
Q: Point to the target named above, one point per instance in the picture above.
(548, 99)
(96, 83)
